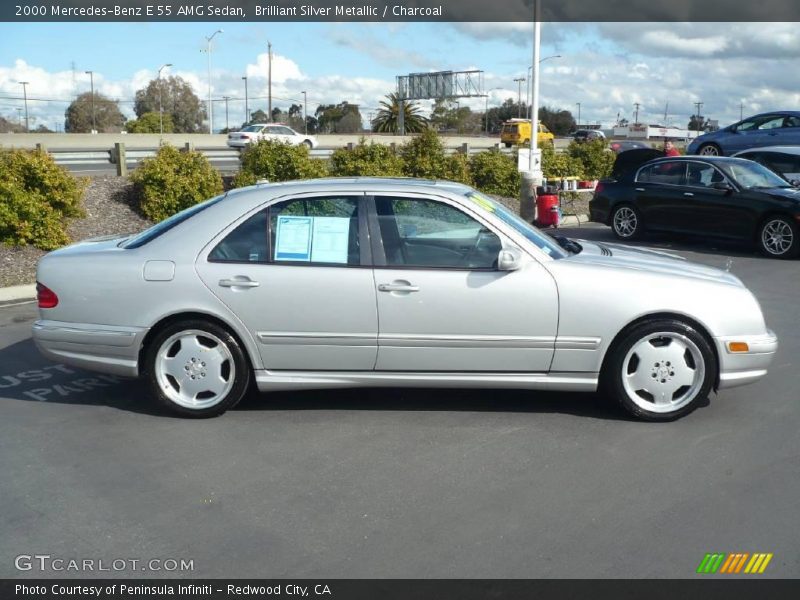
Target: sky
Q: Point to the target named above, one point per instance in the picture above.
(732, 68)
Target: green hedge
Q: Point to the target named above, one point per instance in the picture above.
(277, 161)
(37, 198)
(366, 160)
(495, 173)
(596, 158)
(174, 180)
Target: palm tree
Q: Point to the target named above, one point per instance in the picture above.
(386, 121)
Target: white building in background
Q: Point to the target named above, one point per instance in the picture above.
(641, 131)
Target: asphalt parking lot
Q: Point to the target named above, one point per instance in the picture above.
(404, 483)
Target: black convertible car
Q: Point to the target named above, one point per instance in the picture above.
(718, 197)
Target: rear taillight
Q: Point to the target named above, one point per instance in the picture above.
(47, 298)
(598, 189)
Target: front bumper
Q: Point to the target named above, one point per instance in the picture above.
(102, 348)
(741, 368)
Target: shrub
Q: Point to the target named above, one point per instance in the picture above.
(367, 160)
(174, 180)
(556, 165)
(424, 156)
(277, 161)
(456, 168)
(37, 197)
(495, 173)
(597, 160)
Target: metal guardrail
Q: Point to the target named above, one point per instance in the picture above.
(101, 156)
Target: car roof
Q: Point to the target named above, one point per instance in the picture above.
(783, 149)
(365, 183)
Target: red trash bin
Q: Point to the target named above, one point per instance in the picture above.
(547, 210)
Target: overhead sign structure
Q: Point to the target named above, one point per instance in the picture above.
(438, 85)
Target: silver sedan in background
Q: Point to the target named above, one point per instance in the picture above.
(390, 282)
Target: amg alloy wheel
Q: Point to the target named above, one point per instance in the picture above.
(661, 370)
(197, 369)
(710, 150)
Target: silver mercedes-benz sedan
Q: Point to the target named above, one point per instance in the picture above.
(392, 282)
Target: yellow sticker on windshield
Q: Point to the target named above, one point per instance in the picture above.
(483, 202)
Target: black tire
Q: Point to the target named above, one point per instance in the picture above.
(626, 222)
(308, 144)
(709, 150)
(238, 368)
(508, 144)
(615, 370)
(778, 237)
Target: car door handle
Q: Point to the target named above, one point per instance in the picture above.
(244, 282)
(689, 194)
(640, 189)
(397, 287)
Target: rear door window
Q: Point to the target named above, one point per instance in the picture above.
(664, 173)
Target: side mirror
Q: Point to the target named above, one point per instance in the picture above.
(509, 259)
(722, 186)
(795, 182)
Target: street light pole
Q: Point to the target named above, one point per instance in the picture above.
(305, 111)
(246, 103)
(24, 85)
(530, 76)
(578, 104)
(534, 169)
(269, 80)
(210, 106)
(160, 108)
(91, 81)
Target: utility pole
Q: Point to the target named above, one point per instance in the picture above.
(666, 110)
(226, 98)
(246, 103)
(24, 85)
(269, 80)
(305, 111)
(210, 106)
(579, 114)
(91, 81)
(636, 113)
(519, 81)
(698, 105)
(160, 107)
(741, 111)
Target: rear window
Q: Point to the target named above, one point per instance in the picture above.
(148, 235)
(509, 129)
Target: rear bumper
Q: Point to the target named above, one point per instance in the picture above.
(101, 348)
(741, 368)
(238, 143)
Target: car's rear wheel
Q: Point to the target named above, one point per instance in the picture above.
(778, 237)
(626, 222)
(196, 368)
(709, 150)
(660, 370)
(308, 144)
(508, 144)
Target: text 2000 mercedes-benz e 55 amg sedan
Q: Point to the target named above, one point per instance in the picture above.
(391, 282)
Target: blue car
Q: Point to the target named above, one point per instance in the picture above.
(768, 129)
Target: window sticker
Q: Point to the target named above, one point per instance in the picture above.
(330, 239)
(293, 238)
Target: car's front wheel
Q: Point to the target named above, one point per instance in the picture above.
(709, 150)
(778, 237)
(660, 370)
(196, 368)
(626, 222)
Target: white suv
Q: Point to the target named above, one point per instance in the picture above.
(269, 131)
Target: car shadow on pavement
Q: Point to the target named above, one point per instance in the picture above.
(666, 242)
(27, 376)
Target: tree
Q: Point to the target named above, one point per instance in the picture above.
(560, 122)
(331, 118)
(8, 126)
(177, 99)
(150, 123)
(258, 116)
(509, 109)
(698, 123)
(446, 117)
(386, 120)
(107, 116)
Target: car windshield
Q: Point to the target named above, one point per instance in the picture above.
(252, 128)
(158, 229)
(751, 175)
(539, 239)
